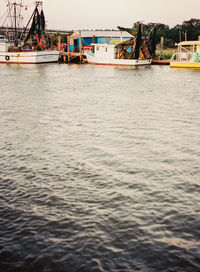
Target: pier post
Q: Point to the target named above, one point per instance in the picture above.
(59, 43)
(161, 47)
(51, 39)
(80, 46)
(93, 39)
(68, 48)
(65, 58)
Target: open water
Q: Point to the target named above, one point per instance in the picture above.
(99, 169)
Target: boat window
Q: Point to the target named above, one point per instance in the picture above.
(106, 49)
(97, 47)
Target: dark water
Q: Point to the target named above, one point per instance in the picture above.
(99, 169)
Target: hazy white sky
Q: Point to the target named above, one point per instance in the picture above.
(101, 14)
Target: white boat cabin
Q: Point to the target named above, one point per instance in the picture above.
(188, 51)
(105, 51)
(4, 44)
(110, 51)
(124, 50)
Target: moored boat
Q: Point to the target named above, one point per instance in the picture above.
(21, 56)
(107, 54)
(133, 52)
(32, 49)
(187, 55)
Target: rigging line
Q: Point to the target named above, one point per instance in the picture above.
(1, 18)
(28, 23)
(8, 15)
(11, 19)
(21, 21)
(7, 12)
(3, 15)
(20, 17)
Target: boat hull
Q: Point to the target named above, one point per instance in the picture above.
(174, 64)
(118, 62)
(29, 57)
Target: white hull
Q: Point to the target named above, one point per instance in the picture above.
(119, 62)
(29, 57)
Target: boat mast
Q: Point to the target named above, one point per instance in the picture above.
(15, 26)
(14, 13)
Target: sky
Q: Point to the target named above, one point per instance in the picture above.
(108, 14)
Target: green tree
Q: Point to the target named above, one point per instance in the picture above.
(188, 29)
(191, 28)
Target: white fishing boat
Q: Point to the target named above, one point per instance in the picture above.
(187, 56)
(133, 52)
(107, 54)
(32, 49)
(25, 56)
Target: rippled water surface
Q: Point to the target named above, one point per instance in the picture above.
(99, 169)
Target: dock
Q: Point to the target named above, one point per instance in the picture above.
(160, 62)
(71, 57)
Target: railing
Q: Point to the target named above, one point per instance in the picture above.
(186, 56)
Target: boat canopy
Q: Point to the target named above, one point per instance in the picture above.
(185, 43)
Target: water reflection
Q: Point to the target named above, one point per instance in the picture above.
(99, 168)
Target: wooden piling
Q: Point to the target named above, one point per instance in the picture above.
(80, 47)
(68, 48)
(93, 39)
(161, 47)
(65, 58)
(51, 39)
(59, 43)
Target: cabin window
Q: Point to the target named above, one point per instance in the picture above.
(97, 48)
(106, 49)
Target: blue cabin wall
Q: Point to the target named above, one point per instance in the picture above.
(87, 41)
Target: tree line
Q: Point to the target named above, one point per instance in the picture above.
(188, 30)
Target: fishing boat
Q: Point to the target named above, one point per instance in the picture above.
(187, 55)
(133, 52)
(106, 54)
(29, 46)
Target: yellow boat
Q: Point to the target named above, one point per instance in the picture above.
(188, 55)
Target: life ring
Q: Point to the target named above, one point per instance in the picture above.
(7, 57)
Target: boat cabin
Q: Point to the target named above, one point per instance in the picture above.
(105, 51)
(4, 44)
(123, 50)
